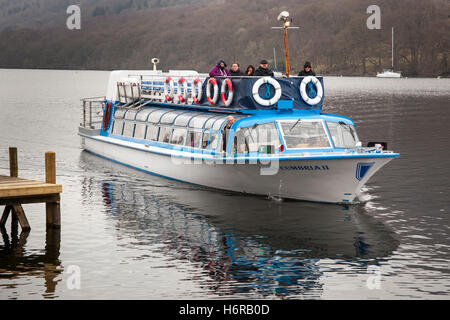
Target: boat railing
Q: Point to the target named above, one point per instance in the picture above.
(152, 87)
(92, 112)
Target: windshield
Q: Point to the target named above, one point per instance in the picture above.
(343, 135)
(304, 134)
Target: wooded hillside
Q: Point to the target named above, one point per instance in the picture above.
(194, 34)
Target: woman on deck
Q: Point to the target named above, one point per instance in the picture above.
(219, 70)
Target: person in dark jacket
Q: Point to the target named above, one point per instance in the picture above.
(263, 69)
(219, 70)
(250, 71)
(307, 71)
(235, 70)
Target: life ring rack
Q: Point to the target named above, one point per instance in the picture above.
(319, 88)
(259, 83)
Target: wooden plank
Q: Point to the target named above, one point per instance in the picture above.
(13, 184)
(30, 190)
(18, 210)
(29, 199)
(13, 164)
(5, 215)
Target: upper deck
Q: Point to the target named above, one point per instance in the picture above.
(189, 89)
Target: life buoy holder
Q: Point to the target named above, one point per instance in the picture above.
(168, 84)
(182, 94)
(106, 116)
(319, 89)
(259, 83)
(227, 83)
(197, 90)
(212, 82)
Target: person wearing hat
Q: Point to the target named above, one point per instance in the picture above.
(307, 71)
(219, 70)
(263, 69)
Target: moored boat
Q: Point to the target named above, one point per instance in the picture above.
(265, 136)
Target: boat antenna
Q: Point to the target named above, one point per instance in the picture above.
(283, 16)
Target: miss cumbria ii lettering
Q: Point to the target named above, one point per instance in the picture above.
(307, 168)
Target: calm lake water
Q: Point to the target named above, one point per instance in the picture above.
(136, 236)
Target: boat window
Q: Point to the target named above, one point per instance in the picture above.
(164, 134)
(117, 127)
(183, 119)
(193, 138)
(198, 121)
(205, 140)
(143, 114)
(304, 134)
(178, 136)
(210, 122)
(139, 130)
(261, 138)
(343, 135)
(214, 140)
(152, 132)
(119, 113)
(169, 117)
(131, 114)
(219, 123)
(155, 116)
(128, 129)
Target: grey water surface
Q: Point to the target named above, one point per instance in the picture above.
(131, 235)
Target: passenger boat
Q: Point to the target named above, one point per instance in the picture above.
(255, 135)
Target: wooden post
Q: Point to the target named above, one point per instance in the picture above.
(13, 164)
(20, 214)
(52, 209)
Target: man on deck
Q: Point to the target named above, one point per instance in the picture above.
(307, 71)
(263, 70)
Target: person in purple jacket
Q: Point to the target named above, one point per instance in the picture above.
(219, 70)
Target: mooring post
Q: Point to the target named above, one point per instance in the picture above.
(52, 209)
(13, 164)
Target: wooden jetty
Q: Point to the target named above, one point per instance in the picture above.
(15, 191)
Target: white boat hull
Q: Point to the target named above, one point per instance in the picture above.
(389, 74)
(323, 180)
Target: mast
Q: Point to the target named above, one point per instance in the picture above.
(283, 16)
(392, 49)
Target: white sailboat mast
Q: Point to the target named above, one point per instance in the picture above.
(392, 48)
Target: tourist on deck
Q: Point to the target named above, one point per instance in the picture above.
(250, 71)
(219, 70)
(235, 70)
(307, 71)
(263, 69)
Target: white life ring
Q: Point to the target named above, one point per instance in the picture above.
(182, 95)
(168, 84)
(213, 82)
(197, 90)
(259, 83)
(305, 97)
(227, 83)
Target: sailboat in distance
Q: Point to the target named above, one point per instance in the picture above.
(390, 73)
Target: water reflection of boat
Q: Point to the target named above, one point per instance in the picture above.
(265, 247)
